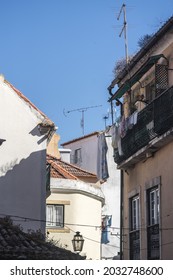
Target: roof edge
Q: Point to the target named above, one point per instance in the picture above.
(46, 120)
(82, 137)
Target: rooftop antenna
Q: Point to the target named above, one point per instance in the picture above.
(81, 110)
(124, 29)
(105, 119)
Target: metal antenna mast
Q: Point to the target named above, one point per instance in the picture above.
(81, 110)
(124, 29)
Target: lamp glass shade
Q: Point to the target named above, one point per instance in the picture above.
(78, 242)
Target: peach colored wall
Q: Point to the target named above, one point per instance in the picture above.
(158, 165)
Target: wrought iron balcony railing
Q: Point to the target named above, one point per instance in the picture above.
(135, 245)
(153, 121)
(153, 238)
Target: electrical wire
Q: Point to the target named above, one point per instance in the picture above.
(65, 225)
(82, 225)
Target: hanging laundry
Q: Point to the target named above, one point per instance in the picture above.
(106, 223)
(102, 167)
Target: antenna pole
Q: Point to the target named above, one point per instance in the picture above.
(82, 122)
(124, 29)
(82, 110)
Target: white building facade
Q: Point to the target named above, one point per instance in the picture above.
(25, 130)
(94, 153)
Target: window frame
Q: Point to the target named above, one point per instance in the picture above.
(135, 216)
(134, 227)
(153, 206)
(150, 91)
(153, 223)
(53, 222)
(77, 156)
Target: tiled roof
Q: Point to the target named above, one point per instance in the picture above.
(62, 169)
(47, 121)
(17, 245)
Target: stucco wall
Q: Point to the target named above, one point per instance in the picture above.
(22, 161)
(82, 213)
(88, 148)
(157, 166)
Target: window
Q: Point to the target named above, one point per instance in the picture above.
(153, 235)
(134, 229)
(150, 91)
(55, 215)
(161, 78)
(135, 213)
(154, 206)
(77, 156)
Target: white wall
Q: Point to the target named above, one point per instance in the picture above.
(110, 188)
(22, 160)
(65, 154)
(88, 147)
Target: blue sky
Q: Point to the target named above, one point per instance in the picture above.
(61, 53)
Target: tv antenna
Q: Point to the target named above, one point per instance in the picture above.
(124, 29)
(105, 118)
(81, 110)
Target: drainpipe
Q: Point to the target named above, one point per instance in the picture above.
(112, 113)
(121, 205)
(121, 180)
(121, 213)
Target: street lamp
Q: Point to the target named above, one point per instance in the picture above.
(78, 242)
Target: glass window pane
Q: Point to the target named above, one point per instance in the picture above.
(135, 213)
(55, 215)
(154, 207)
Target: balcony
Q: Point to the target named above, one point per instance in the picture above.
(149, 133)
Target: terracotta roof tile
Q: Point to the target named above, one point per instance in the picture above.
(57, 171)
(68, 170)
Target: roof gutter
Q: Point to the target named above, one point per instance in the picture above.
(137, 76)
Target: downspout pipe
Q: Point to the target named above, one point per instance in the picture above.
(121, 205)
(121, 183)
(112, 114)
(121, 212)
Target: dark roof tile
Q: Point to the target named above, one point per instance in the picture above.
(15, 245)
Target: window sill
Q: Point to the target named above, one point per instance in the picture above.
(58, 230)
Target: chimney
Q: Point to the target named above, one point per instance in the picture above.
(52, 148)
(65, 154)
